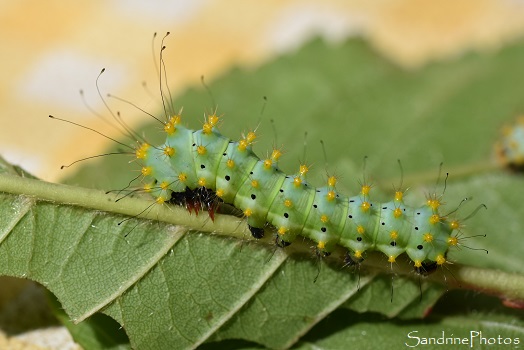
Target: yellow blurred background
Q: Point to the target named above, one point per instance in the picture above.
(52, 49)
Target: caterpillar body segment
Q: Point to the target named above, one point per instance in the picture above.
(233, 170)
(359, 229)
(291, 208)
(256, 195)
(207, 150)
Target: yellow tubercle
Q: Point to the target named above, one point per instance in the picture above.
(267, 164)
(397, 213)
(321, 245)
(169, 128)
(361, 230)
(297, 181)
(164, 185)
(276, 154)
(331, 195)
(358, 254)
(324, 218)
(147, 188)
(433, 203)
(220, 193)
(207, 128)
(391, 259)
(169, 151)
(250, 137)
(399, 195)
(141, 152)
(365, 190)
(393, 234)
(440, 259)
(182, 177)
(176, 119)
(160, 200)
(303, 169)
(147, 170)
(434, 219)
(248, 212)
(288, 203)
(428, 237)
(332, 181)
(452, 241)
(201, 150)
(254, 183)
(242, 145)
(230, 163)
(418, 263)
(202, 182)
(213, 119)
(455, 224)
(365, 206)
(282, 230)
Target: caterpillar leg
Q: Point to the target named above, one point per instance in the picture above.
(256, 232)
(279, 242)
(351, 260)
(179, 198)
(207, 200)
(426, 268)
(186, 199)
(320, 253)
(197, 200)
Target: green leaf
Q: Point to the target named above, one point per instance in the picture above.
(171, 284)
(458, 328)
(97, 332)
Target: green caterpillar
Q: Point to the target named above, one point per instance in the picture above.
(196, 167)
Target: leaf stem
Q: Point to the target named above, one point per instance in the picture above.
(99, 200)
(507, 286)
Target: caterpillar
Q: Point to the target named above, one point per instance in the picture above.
(199, 168)
(510, 147)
